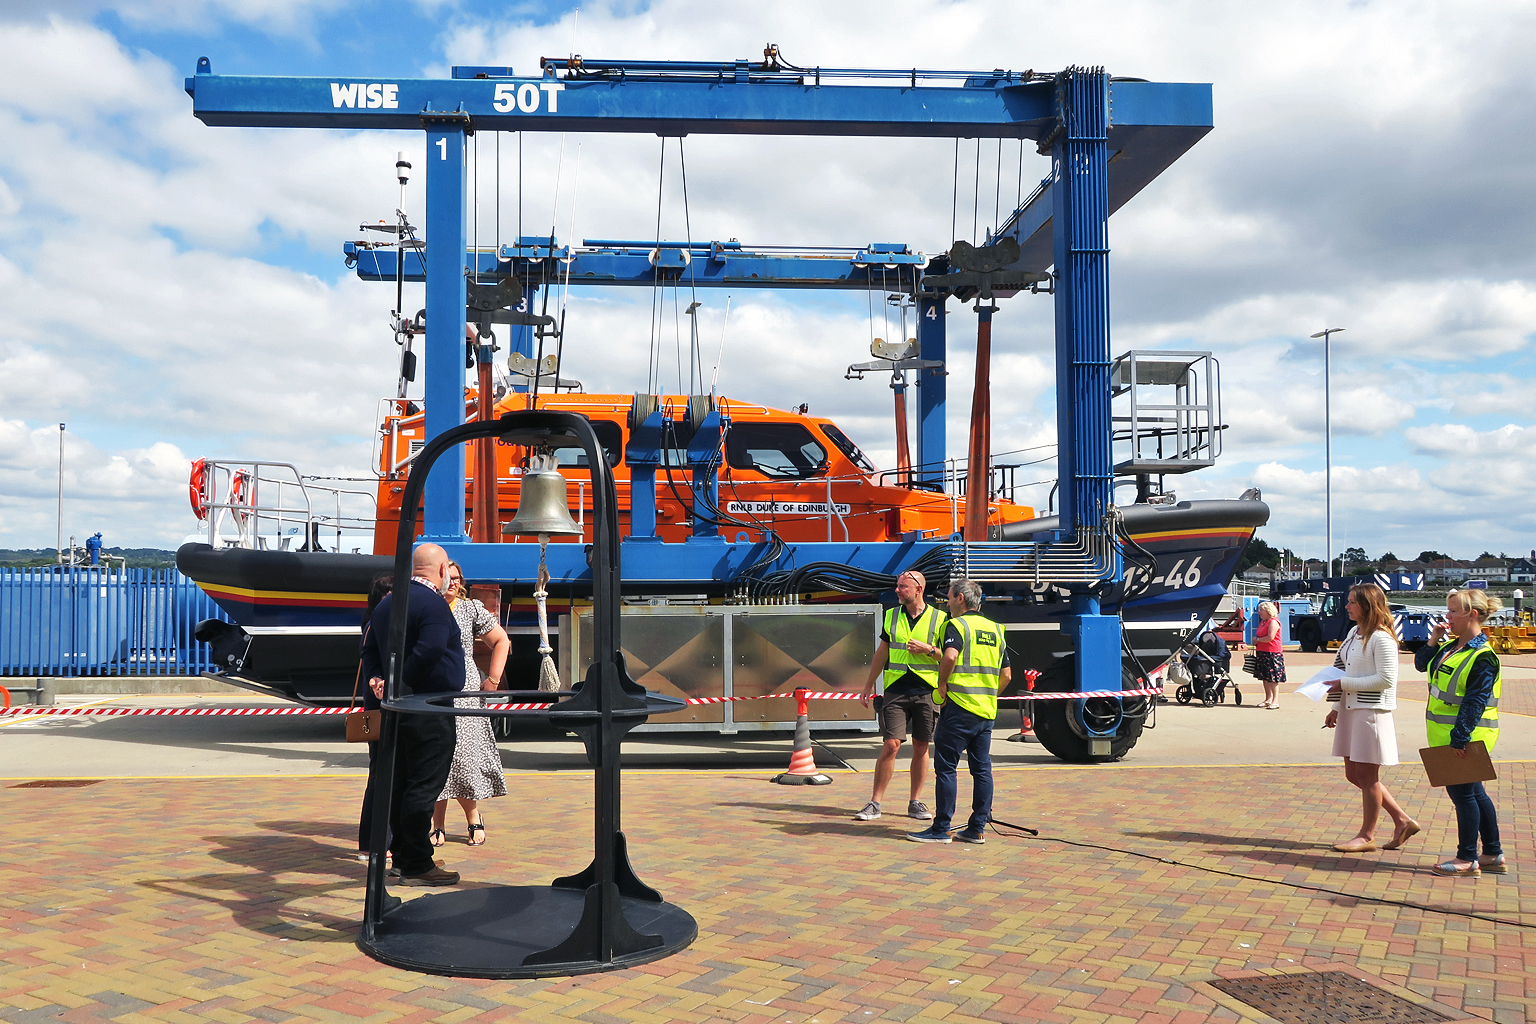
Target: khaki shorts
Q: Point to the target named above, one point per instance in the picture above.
(914, 711)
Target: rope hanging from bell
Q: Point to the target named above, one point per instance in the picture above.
(549, 678)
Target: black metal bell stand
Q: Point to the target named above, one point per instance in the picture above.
(600, 919)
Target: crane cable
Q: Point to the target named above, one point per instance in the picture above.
(653, 360)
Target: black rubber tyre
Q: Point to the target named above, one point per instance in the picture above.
(1237, 696)
(1209, 699)
(1183, 695)
(1310, 637)
(1055, 731)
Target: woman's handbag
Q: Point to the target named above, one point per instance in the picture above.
(1251, 663)
(362, 726)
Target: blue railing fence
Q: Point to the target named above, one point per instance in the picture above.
(91, 622)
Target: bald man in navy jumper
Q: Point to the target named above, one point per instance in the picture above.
(433, 663)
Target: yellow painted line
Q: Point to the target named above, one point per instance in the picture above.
(584, 773)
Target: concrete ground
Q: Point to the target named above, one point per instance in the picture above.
(203, 869)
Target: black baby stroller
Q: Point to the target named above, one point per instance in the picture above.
(1202, 670)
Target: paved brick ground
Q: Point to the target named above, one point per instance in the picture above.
(236, 900)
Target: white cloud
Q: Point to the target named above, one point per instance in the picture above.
(1354, 186)
(280, 17)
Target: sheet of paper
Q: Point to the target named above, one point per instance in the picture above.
(1316, 688)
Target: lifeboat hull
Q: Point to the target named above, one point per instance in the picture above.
(314, 601)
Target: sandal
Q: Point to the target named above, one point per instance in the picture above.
(439, 837)
(1494, 865)
(1454, 870)
(477, 826)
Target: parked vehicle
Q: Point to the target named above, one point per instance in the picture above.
(1329, 623)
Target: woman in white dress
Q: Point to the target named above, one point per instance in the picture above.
(1366, 736)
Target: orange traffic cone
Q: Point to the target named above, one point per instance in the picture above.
(1026, 733)
(802, 762)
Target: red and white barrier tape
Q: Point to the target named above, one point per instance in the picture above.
(1146, 691)
(117, 712)
(32, 709)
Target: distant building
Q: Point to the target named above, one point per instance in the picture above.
(1523, 570)
(1259, 574)
(1446, 570)
(1494, 570)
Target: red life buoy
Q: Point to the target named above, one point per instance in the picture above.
(195, 490)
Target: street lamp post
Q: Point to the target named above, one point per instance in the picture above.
(1326, 335)
(59, 543)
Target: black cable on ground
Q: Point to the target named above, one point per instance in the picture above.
(1409, 904)
(836, 756)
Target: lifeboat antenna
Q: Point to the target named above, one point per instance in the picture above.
(715, 378)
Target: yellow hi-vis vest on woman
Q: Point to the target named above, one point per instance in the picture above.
(974, 683)
(928, 629)
(1447, 687)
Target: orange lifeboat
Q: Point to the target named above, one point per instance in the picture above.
(789, 473)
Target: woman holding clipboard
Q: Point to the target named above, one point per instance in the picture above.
(1366, 737)
(1464, 682)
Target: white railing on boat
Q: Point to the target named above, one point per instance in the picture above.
(270, 506)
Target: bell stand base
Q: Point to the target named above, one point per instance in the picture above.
(493, 932)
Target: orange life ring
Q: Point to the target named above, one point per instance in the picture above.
(195, 490)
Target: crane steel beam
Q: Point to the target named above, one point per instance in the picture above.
(702, 265)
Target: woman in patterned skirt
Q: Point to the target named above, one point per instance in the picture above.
(476, 773)
(1269, 667)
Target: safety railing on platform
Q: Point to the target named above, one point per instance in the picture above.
(1092, 557)
(91, 622)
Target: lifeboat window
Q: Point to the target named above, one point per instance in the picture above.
(847, 447)
(609, 435)
(784, 450)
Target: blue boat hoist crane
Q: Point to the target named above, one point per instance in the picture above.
(1106, 137)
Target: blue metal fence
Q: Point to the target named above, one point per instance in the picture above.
(91, 622)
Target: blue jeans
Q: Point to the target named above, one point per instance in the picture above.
(1475, 817)
(958, 731)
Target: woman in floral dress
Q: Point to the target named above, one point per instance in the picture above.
(476, 773)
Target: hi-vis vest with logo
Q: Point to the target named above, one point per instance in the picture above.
(899, 661)
(978, 675)
(1447, 687)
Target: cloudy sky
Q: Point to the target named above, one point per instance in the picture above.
(173, 291)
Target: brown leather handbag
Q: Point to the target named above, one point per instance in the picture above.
(362, 726)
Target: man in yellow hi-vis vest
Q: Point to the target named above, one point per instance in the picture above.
(973, 671)
(908, 659)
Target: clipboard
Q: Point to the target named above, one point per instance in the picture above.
(1444, 768)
